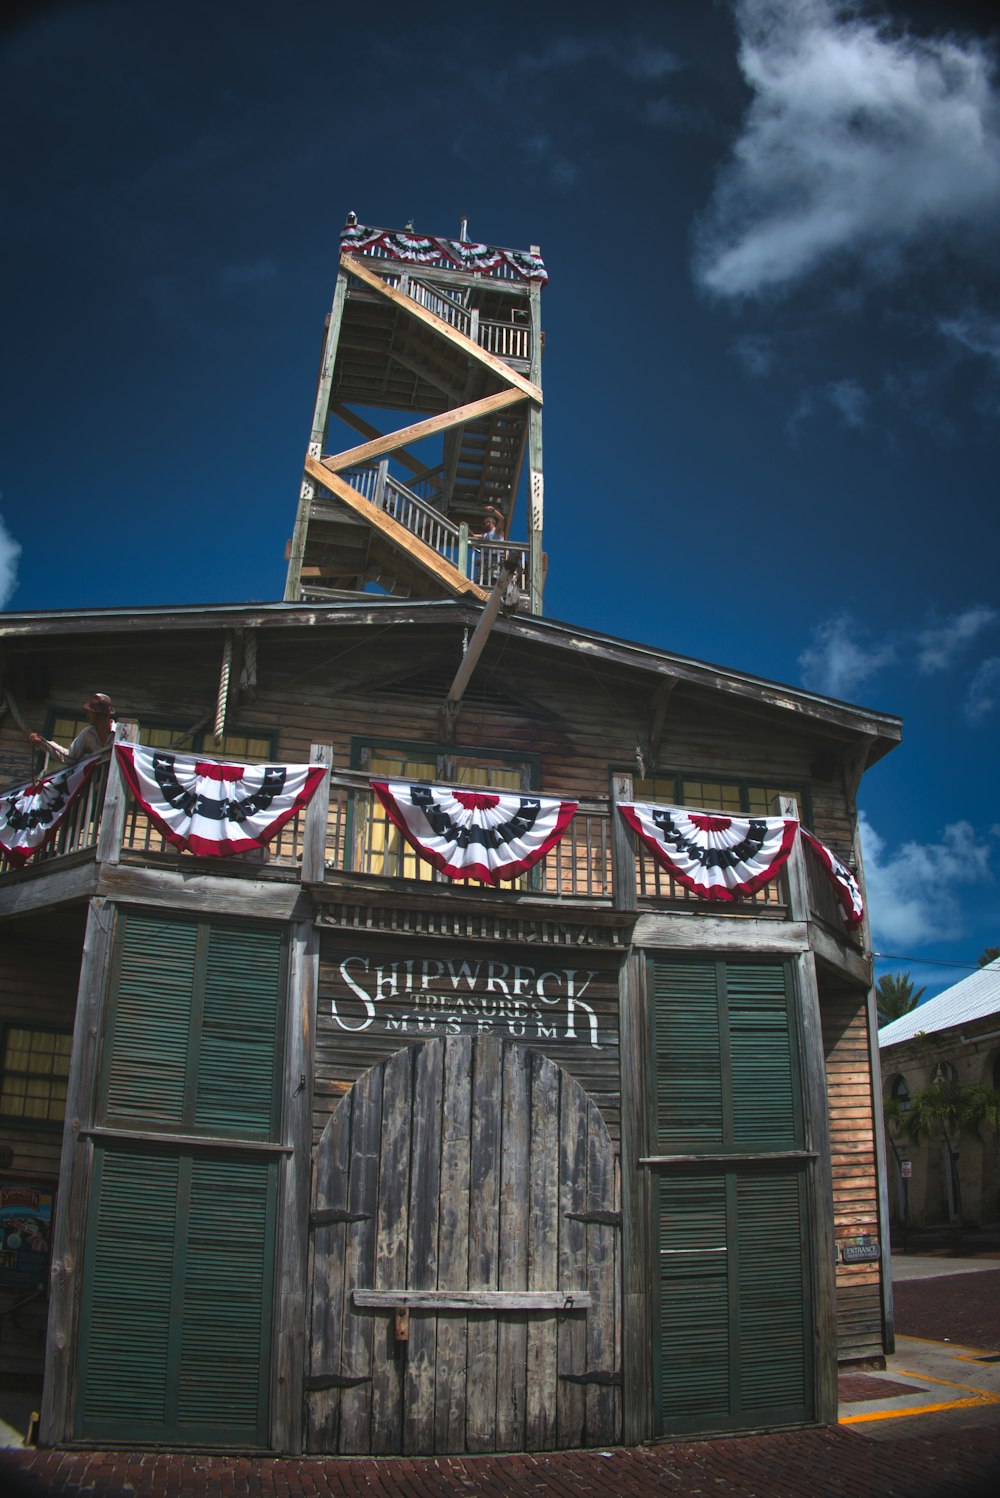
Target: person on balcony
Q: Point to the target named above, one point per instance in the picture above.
(97, 735)
(493, 526)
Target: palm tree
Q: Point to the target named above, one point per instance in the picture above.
(896, 996)
(988, 955)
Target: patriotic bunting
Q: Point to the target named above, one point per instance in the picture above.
(718, 857)
(472, 835)
(213, 809)
(30, 814)
(419, 249)
(846, 887)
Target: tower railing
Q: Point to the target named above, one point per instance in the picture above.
(476, 559)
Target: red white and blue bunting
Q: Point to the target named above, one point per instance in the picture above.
(30, 814)
(845, 885)
(472, 834)
(449, 254)
(213, 809)
(718, 857)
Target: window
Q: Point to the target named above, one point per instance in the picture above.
(255, 746)
(378, 845)
(900, 1093)
(35, 1074)
(734, 796)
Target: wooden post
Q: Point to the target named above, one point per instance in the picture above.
(463, 549)
(317, 814)
(292, 1281)
(109, 839)
(624, 895)
(321, 409)
(378, 493)
(638, 1278)
(817, 1122)
(535, 467)
(74, 1181)
(796, 878)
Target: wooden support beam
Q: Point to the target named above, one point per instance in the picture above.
(370, 433)
(355, 267)
(661, 699)
(418, 550)
(475, 1300)
(460, 416)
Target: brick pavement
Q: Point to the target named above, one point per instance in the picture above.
(828, 1463)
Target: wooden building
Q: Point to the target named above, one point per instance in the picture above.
(951, 1041)
(348, 1155)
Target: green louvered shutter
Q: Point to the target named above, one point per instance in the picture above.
(148, 1049)
(734, 1350)
(175, 1332)
(127, 1308)
(178, 1275)
(240, 1039)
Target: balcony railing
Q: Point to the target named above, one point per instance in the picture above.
(477, 560)
(507, 340)
(77, 831)
(351, 838)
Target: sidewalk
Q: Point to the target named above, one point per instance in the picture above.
(926, 1427)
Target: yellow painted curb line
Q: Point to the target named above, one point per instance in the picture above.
(981, 1397)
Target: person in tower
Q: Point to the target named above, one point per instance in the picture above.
(97, 735)
(492, 526)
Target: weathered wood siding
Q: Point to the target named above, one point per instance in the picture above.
(465, 1178)
(855, 1189)
(579, 716)
(378, 995)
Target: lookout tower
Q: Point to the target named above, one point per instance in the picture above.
(428, 411)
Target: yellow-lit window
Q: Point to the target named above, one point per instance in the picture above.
(379, 846)
(35, 1074)
(761, 799)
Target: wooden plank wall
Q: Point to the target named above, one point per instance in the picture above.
(315, 685)
(38, 984)
(445, 1008)
(855, 1189)
(483, 1170)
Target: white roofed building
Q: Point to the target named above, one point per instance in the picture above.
(954, 1037)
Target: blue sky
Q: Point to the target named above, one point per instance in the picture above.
(772, 368)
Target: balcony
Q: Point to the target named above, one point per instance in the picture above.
(345, 847)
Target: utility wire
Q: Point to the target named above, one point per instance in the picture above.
(931, 961)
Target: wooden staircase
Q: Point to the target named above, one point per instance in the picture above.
(402, 511)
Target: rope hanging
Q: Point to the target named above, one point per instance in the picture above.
(223, 698)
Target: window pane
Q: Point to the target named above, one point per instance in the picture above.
(659, 789)
(761, 799)
(711, 795)
(380, 847)
(35, 1068)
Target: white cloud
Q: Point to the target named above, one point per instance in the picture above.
(851, 400)
(756, 354)
(839, 661)
(975, 331)
(859, 141)
(939, 644)
(984, 690)
(10, 550)
(912, 891)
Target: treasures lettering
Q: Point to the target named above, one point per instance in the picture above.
(447, 996)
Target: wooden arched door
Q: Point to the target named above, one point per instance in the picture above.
(466, 1227)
